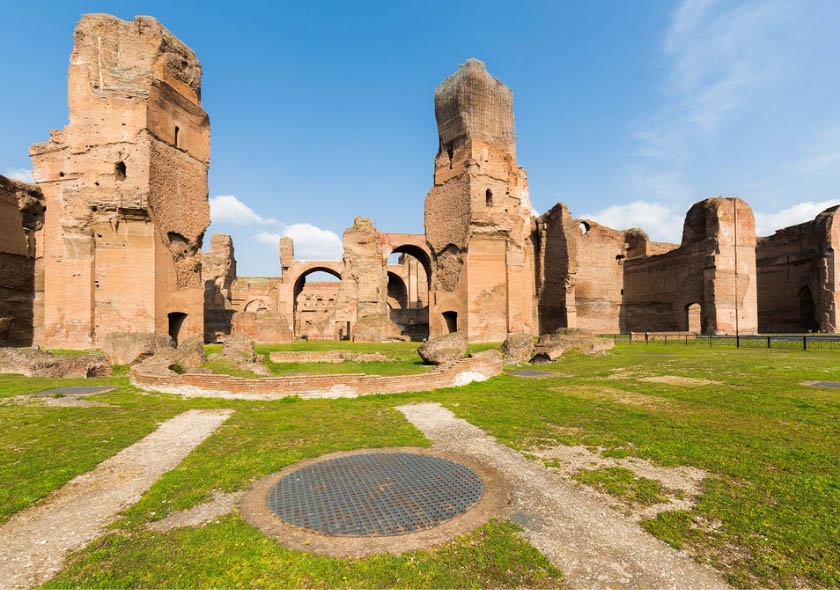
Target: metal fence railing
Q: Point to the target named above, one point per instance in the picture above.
(767, 341)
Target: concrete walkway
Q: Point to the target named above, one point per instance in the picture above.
(595, 546)
(35, 541)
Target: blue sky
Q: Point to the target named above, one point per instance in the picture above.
(627, 111)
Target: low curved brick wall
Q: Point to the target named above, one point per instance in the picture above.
(476, 368)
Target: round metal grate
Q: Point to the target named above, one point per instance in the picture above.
(375, 494)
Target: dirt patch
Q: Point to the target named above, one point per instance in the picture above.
(620, 396)
(677, 380)
(221, 504)
(681, 485)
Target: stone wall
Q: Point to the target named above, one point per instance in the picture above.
(21, 263)
(125, 184)
(798, 276)
(712, 274)
(478, 213)
(601, 280)
(458, 373)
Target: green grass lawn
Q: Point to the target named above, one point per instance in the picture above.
(768, 515)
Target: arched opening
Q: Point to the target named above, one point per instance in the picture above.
(119, 171)
(488, 197)
(397, 292)
(315, 296)
(584, 227)
(409, 271)
(807, 310)
(177, 135)
(450, 318)
(176, 321)
(256, 305)
(694, 318)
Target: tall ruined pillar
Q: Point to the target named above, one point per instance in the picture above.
(478, 214)
(125, 184)
(722, 230)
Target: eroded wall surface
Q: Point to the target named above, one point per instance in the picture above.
(478, 213)
(798, 275)
(21, 263)
(714, 268)
(125, 184)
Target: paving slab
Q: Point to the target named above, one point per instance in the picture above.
(595, 546)
(35, 542)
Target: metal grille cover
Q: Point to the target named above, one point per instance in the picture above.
(834, 384)
(75, 390)
(375, 494)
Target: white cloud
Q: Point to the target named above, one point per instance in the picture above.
(767, 223)
(311, 242)
(229, 209)
(21, 174)
(660, 221)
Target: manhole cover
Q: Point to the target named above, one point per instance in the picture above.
(834, 384)
(532, 373)
(375, 494)
(74, 390)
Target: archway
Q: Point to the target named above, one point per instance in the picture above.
(314, 304)
(807, 311)
(409, 279)
(397, 292)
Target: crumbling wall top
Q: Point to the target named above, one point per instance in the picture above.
(123, 58)
(472, 103)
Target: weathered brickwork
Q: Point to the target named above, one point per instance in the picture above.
(125, 184)
(21, 263)
(798, 272)
(109, 240)
(478, 213)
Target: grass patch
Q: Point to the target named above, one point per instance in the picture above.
(769, 515)
(771, 444)
(231, 554)
(623, 483)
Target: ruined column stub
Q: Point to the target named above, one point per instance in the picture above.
(478, 214)
(126, 187)
(287, 253)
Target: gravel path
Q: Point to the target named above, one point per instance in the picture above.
(35, 542)
(595, 546)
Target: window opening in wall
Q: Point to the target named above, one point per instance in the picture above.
(176, 320)
(177, 133)
(488, 197)
(584, 227)
(451, 319)
(119, 171)
(450, 152)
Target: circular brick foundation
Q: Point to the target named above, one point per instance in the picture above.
(368, 501)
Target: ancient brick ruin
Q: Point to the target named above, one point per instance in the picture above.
(109, 239)
(798, 277)
(125, 187)
(21, 263)
(478, 214)
(370, 301)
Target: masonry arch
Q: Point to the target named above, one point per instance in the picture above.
(397, 292)
(807, 310)
(409, 270)
(258, 304)
(321, 324)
